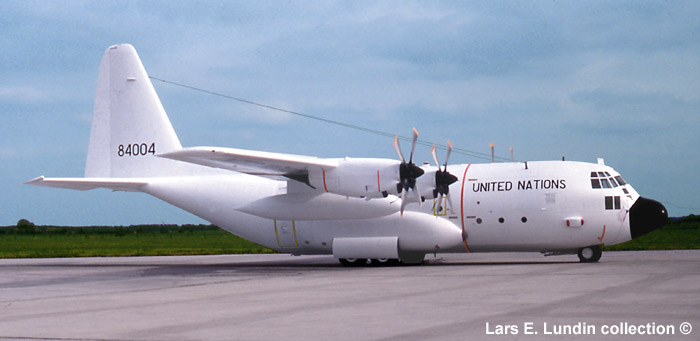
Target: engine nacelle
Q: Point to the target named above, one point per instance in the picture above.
(426, 183)
(369, 178)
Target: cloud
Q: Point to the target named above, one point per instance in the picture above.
(8, 153)
(12, 153)
(262, 115)
(22, 94)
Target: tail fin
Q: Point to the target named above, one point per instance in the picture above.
(129, 125)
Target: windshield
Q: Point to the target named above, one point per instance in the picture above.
(605, 180)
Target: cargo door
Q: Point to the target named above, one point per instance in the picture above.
(286, 233)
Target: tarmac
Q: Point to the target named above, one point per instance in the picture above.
(282, 297)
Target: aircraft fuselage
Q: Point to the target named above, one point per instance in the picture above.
(534, 206)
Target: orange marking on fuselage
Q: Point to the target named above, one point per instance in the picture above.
(466, 247)
(379, 187)
(603, 235)
(324, 181)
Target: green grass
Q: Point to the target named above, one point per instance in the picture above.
(680, 234)
(28, 241)
(50, 241)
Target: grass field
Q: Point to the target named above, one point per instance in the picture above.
(677, 234)
(51, 241)
(28, 241)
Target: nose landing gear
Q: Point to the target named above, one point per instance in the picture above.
(590, 254)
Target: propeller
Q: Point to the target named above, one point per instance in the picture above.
(408, 172)
(443, 179)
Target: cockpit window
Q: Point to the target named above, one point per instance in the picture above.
(613, 182)
(605, 180)
(612, 203)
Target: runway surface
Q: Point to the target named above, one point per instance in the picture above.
(281, 297)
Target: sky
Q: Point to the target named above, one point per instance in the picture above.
(581, 79)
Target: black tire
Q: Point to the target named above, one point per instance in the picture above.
(411, 258)
(365, 262)
(351, 261)
(386, 262)
(590, 254)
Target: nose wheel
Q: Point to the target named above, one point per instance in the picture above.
(590, 254)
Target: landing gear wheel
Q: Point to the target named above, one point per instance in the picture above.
(385, 262)
(351, 261)
(590, 254)
(367, 262)
(379, 261)
(411, 258)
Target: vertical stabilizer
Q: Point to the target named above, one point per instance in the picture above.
(129, 125)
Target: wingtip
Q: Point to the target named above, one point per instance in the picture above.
(35, 181)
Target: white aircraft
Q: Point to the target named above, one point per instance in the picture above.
(360, 210)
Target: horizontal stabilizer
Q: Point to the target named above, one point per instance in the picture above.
(251, 162)
(84, 184)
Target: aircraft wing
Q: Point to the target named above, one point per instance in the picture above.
(84, 184)
(296, 167)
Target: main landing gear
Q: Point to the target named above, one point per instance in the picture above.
(369, 262)
(590, 254)
(405, 258)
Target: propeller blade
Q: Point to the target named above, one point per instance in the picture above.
(449, 150)
(449, 202)
(397, 147)
(443, 179)
(413, 144)
(408, 172)
(418, 197)
(403, 201)
(435, 158)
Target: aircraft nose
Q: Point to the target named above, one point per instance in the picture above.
(646, 215)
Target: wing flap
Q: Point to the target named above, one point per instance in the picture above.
(84, 184)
